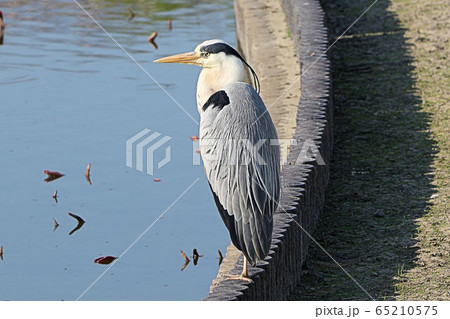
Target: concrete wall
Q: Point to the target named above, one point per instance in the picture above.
(303, 185)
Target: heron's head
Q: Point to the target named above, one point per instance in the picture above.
(212, 54)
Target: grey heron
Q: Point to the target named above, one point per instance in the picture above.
(238, 144)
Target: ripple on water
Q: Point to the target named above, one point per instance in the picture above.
(17, 73)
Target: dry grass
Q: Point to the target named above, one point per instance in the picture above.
(386, 216)
(427, 30)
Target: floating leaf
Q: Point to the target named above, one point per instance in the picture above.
(220, 257)
(195, 256)
(105, 260)
(132, 15)
(55, 196)
(80, 222)
(52, 175)
(184, 255)
(56, 224)
(185, 265)
(151, 39)
(88, 173)
(2, 24)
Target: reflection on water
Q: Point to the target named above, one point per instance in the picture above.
(79, 225)
(70, 95)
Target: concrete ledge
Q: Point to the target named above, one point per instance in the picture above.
(303, 184)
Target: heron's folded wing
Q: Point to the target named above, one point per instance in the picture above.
(242, 166)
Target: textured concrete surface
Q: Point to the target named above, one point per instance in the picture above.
(264, 39)
(305, 115)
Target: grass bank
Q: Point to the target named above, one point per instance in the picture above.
(386, 218)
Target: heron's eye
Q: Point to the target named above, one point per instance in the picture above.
(206, 54)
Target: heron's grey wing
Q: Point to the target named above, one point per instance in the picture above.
(242, 165)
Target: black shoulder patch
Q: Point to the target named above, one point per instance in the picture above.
(218, 99)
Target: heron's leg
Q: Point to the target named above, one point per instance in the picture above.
(243, 276)
(244, 269)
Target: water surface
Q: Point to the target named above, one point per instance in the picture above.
(69, 96)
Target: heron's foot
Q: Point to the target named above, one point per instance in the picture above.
(238, 277)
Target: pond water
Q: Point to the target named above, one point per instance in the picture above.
(69, 96)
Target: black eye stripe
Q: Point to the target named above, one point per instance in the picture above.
(225, 48)
(220, 47)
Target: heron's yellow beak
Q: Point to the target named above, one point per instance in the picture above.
(185, 58)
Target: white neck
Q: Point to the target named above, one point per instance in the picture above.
(215, 77)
